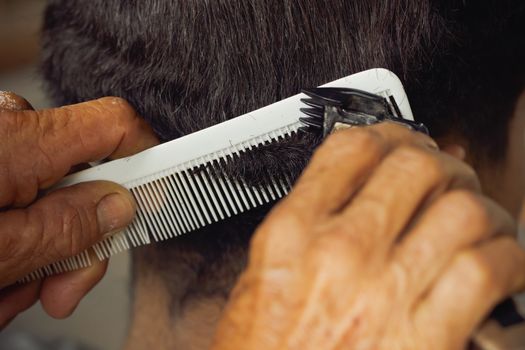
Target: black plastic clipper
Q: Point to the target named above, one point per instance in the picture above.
(331, 108)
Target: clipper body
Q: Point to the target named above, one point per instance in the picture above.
(331, 108)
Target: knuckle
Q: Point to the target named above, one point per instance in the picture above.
(123, 105)
(477, 272)
(395, 127)
(271, 246)
(20, 244)
(337, 247)
(356, 140)
(466, 207)
(75, 230)
(377, 219)
(65, 229)
(329, 249)
(366, 139)
(419, 161)
(21, 239)
(282, 221)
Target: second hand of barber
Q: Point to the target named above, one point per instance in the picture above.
(384, 243)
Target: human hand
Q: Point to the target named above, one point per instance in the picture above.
(37, 148)
(384, 243)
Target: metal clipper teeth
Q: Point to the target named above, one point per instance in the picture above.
(330, 107)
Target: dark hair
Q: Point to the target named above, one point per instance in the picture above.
(185, 65)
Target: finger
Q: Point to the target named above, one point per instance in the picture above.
(10, 101)
(107, 128)
(407, 180)
(475, 281)
(60, 225)
(44, 145)
(16, 299)
(61, 294)
(456, 220)
(342, 164)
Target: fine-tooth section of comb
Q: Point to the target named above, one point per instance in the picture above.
(183, 185)
(185, 198)
(74, 263)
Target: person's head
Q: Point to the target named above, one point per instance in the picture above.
(186, 65)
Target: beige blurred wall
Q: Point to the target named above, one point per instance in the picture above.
(20, 22)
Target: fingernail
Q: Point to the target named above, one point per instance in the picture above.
(115, 211)
(12, 102)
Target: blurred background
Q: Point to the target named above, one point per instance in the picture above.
(19, 48)
(101, 319)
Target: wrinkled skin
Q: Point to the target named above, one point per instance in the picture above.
(364, 254)
(37, 149)
(368, 253)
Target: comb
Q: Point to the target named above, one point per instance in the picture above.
(180, 186)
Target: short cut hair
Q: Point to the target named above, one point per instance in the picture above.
(186, 65)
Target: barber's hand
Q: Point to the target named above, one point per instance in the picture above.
(37, 149)
(384, 243)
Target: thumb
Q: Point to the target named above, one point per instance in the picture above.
(60, 225)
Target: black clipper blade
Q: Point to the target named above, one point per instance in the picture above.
(330, 108)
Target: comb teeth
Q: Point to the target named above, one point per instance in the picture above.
(183, 199)
(182, 185)
(74, 263)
